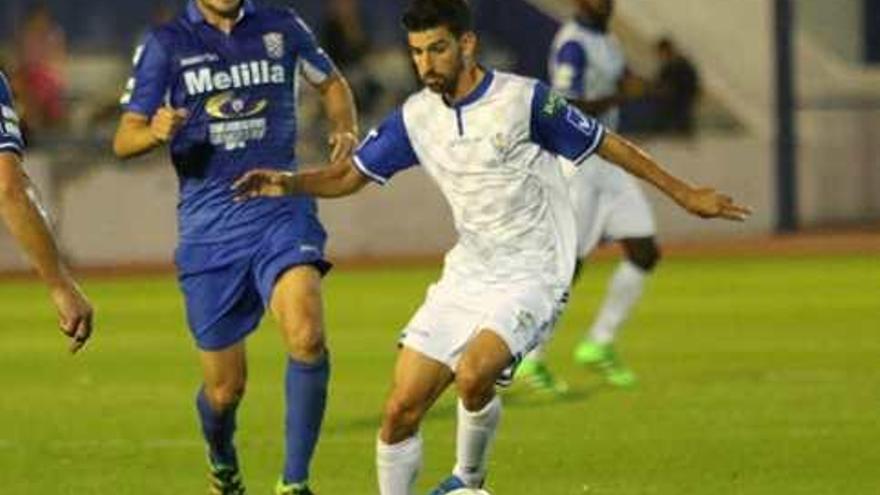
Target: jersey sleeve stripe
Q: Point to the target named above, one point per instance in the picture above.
(372, 175)
(11, 147)
(591, 149)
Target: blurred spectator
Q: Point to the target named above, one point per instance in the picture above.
(348, 44)
(41, 70)
(675, 90)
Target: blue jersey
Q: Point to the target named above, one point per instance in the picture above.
(240, 91)
(10, 133)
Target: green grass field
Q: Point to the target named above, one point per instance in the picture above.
(758, 376)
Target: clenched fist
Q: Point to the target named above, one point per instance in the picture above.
(166, 122)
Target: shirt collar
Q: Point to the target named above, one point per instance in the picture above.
(477, 92)
(195, 15)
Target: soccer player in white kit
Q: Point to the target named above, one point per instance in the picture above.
(587, 66)
(491, 141)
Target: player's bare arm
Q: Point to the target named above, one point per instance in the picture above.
(340, 109)
(23, 215)
(332, 181)
(701, 201)
(138, 134)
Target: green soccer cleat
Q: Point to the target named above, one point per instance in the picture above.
(225, 480)
(292, 488)
(538, 376)
(604, 360)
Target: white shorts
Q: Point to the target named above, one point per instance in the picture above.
(609, 205)
(452, 314)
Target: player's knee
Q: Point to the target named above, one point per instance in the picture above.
(644, 253)
(474, 387)
(305, 340)
(402, 418)
(224, 396)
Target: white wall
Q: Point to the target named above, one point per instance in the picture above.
(126, 214)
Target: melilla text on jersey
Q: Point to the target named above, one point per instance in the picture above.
(237, 115)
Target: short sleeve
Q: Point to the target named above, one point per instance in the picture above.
(146, 89)
(316, 65)
(562, 129)
(10, 130)
(570, 69)
(386, 150)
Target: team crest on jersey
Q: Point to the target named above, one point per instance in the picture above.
(274, 45)
(555, 103)
(501, 143)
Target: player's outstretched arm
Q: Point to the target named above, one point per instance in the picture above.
(138, 134)
(333, 181)
(705, 202)
(23, 215)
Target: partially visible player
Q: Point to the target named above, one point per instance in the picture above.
(491, 141)
(219, 85)
(29, 225)
(587, 66)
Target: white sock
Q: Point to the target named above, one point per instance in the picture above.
(476, 430)
(624, 291)
(398, 465)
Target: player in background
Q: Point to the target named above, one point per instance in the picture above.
(491, 141)
(587, 66)
(28, 223)
(218, 85)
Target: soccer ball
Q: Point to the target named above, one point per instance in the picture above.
(468, 491)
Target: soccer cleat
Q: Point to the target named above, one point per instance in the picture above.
(604, 360)
(538, 376)
(450, 484)
(225, 480)
(292, 488)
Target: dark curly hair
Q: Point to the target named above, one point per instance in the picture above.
(422, 15)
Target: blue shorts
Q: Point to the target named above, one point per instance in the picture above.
(227, 286)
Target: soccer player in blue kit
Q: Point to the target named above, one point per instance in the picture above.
(219, 85)
(22, 212)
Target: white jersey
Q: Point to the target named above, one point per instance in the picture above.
(587, 64)
(494, 155)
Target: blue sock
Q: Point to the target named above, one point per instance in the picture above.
(306, 393)
(218, 429)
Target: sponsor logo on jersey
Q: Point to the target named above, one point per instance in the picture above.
(236, 134)
(554, 104)
(274, 45)
(243, 75)
(583, 123)
(199, 59)
(229, 106)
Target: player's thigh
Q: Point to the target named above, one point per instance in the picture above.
(418, 381)
(224, 372)
(297, 303)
